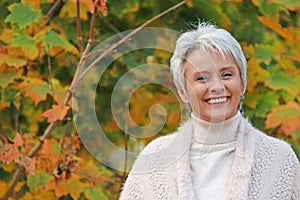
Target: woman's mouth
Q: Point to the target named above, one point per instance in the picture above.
(216, 100)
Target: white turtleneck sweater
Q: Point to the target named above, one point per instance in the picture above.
(211, 156)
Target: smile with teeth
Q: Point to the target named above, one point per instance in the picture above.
(217, 100)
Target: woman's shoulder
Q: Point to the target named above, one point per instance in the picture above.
(174, 137)
(269, 144)
(159, 142)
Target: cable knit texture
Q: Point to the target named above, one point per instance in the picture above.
(262, 168)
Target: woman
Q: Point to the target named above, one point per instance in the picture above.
(216, 153)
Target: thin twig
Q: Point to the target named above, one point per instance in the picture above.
(15, 179)
(111, 26)
(20, 170)
(50, 74)
(92, 26)
(126, 152)
(78, 27)
(125, 38)
(54, 10)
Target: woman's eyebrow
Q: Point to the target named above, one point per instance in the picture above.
(227, 68)
(198, 72)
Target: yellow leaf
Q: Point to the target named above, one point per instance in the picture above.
(284, 32)
(35, 3)
(45, 194)
(256, 74)
(3, 187)
(9, 167)
(35, 88)
(19, 185)
(287, 117)
(71, 186)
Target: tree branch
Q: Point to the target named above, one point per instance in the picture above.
(125, 38)
(54, 10)
(78, 27)
(20, 170)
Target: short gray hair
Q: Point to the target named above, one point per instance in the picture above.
(206, 37)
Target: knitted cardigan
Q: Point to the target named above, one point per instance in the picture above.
(263, 168)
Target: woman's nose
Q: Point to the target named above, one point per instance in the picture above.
(216, 85)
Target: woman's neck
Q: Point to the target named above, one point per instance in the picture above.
(216, 132)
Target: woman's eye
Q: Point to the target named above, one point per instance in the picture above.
(202, 78)
(226, 74)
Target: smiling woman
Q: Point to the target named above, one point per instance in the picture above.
(216, 154)
(213, 85)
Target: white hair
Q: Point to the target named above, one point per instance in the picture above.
(206, 37)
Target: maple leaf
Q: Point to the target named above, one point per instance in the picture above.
(27, 45)
(35, 88)
(11, 60)
(285, 116)
(7, 75)
(3, 187)
(284, 32)
(27, 162)
(53, 39)
(38, 179)
(8, 152)
(72, 186)
(23, 14)
(18, 141)
(290, 4)
(57, 112)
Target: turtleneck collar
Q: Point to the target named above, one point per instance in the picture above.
(216, 132)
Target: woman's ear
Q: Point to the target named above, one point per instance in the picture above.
(244, 91)
(182, 95)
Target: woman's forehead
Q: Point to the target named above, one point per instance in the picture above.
(199, 60)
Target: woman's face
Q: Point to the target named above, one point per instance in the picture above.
(213, 85)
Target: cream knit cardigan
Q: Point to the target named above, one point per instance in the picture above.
(263, 168)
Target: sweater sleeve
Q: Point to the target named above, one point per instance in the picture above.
(296, 184)
(138, 182)
(132, 189)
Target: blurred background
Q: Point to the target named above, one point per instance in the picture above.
(44, 43)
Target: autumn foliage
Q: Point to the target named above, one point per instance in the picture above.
(42, 46)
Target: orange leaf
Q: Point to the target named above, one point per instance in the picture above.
(57, 112)
(35, 88)
(18, 141)
(286, 116)
(47, 151)
(8, 152)
(27, 162)
(284, 32)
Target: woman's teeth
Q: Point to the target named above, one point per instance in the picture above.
(217, 100)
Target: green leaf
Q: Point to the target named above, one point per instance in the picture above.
(297, 134)
(95, 193)
(55, 40)
(296, 148)
(265, 103)
(10, 94)
(35, 88)
(290, 4)
(27, 44)
(23, 14)
(11, 60)
(272, 9)
(265, 53)
(38, 179)
(7, 76)
(281, 80)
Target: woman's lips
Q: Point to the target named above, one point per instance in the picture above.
(216, 100)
